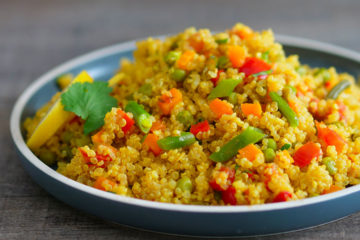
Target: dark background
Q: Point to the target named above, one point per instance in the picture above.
(38, 35)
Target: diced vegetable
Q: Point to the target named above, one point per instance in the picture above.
(168, 101)
(282, 197)
(286, 146)
(222, 178)
(219, 107)
(224, 88)
(129, 121)
(244, 33)
(338, 89)
(233, 98)
(96, 138)
(178, 75)
(301, 70)
(250, 152)
(292, 88)
(47, 156)
(333, 188)
(228, 196)
(263, 73)
(151, 141)
(236, 56)
(200, 127)
(251, 109)
(158, 125)
(272, 144)
(54, 119)
(146, 89)
(269, 155)
(250, 135)
(330, 165)
(222, 41)
(323, 73)
(306, 153)
(103, 184)
(172, 57)
(254, 65)
(185, 59)
(216, 79)
(66, 136)
(265, 56)
(196, 42)
(143, 118)
(185, 117)
(185, 184)
(222, 62)
(330, 138)
(185, 139)
(285, 109)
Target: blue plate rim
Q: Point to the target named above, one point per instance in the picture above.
(15, 130)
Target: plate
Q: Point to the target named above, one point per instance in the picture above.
(182, 219)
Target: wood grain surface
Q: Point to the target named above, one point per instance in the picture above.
(38, 35)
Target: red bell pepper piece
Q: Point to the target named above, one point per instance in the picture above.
(200, 127)
(228, 196)
(230, 179)
(254, 65)
(282, 197)
(306, 153)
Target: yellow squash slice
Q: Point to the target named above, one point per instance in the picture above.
(54, 119)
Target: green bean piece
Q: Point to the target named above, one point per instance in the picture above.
(286, 146)
(178, 75)
(168, 143)
(172, 57)
(146, 89)
(269, 155)
(338, 89)
(142, 117)
(330, 165)
(185, 117)
(233, 98)
(222, 41)
(285, 109)
(185, 184)
(271, 144)
(47, 156)
(222, 62)
(224, 88)
(249, 136)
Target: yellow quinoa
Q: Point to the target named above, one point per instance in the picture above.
(125, 163)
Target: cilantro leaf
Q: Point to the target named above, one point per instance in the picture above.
(90, 101)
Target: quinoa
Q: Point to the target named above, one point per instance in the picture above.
(131, 168)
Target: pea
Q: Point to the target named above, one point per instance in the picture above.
(172, 56)
(323, 73)
(185, 118)
(185, 184)
(233, 98)
(222, 62)
(271, 144)
(222, 41)
(269, 155)
(330, 165)
(146, 89)
(47, 156)
(66, 136)
(178, 75)
(82, 141)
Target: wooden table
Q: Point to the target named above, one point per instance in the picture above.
(38, 35)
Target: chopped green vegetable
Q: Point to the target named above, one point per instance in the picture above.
(265, 56)
(142, 117)
(301, 70)
(285, 109)
(271, 144)
(146, 89)
(236, 167)
(286, 146)
(330, 165)
(90, 101)
(178, 74)
(269, 155)
(168, 143)
(224, 88)
(172, 57)
(82, 140)
(185, 117)
(222, 62)
(222, 41)
(323, 73)
(47, 156)
(249, 136)
(262, 73)
(338, 89)
(185, 184)
(233, 98)
(66, 136)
